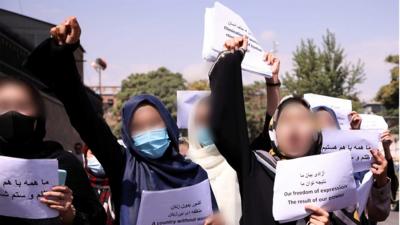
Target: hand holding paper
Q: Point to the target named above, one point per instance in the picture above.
(313, 180)
(22, 183)
(221, 24)
(358, 142)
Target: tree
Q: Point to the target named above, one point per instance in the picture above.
(161, 83)
(200, 85)
(323, 70)
(388, 94)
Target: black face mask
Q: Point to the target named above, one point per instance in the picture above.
(16, 127)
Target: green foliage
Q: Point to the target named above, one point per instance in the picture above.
(161, 83)
(255, 98)
(323, 70)
(388, 94)
(200, 85)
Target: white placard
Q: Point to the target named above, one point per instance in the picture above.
(316, 180)
(358, 142)
(363, 191)
(22, 183)
(185, 101)
(373, 122)
(189, 205)
(221, 24)
(342, 107)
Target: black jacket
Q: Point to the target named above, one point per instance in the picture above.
(229, 127)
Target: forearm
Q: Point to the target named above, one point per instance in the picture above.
(228, 118)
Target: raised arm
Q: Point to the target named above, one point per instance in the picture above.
(262, 141)
(228, 117)
(53, 63)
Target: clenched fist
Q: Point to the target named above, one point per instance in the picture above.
(67, 32)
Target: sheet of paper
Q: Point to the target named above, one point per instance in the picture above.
(187, 206)
(185, 102)
(221, 24)
(342, 107)
(22, 182)
(358, 142)
(373, 122)
(363, 191)
(314, 180)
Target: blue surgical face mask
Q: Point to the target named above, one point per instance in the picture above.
(95, 166)
(153, 143)
(204, 136)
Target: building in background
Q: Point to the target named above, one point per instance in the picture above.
(19, 35)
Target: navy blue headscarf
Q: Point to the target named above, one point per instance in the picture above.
(328, 110)
(141, 173)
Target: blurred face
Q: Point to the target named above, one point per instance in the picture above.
(295, 130)
(146, 118)
(201, 114)
(16, 97)
(325, 120)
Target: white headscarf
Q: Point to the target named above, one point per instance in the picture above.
(223, 178)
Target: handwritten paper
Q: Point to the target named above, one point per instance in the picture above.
(22, 183)
(358, 142)
(185, 102)
(363, 191)
(316, 180)
(189, 205)
(373, 122)
(342, 107)
(221, 24)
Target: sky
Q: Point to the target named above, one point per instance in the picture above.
(139, 36)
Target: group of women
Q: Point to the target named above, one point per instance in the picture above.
(241, 173)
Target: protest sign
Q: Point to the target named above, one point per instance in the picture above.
(373, 122)
(316, 180)
(221, 24)
(185, 101)
(363, 191)
(342, 107)
(189, 205)
(22, 183)
(358, 142)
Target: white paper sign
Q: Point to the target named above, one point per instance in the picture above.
(22, 182)
(358, 142)
(373, 122)
(316, 180)
(185, 102)
(342, 107)
(221, 24)
(363, 191)
(187, 206)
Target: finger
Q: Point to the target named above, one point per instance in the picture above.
(316, 210)
(51, 202)
(54, 194)
(315, 222)
(323, 219)
(59, 208)
(61, 188)
(245, 42)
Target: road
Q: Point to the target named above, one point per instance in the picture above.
(392, 220)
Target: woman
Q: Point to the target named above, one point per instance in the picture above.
(294, 128)
(22, 129)
(99, 182)
(378, 206)
(327, 118)
(223, 178)
(151, 160)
